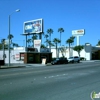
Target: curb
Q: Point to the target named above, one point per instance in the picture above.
(6, 67)
(48, 64)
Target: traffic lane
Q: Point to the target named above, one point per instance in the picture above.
(49, 70)
(16, 70)
(53, 88)
(38, 75)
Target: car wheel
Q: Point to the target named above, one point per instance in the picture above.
(66, 62)
(73, 61)
(58, 62)
(78, 61)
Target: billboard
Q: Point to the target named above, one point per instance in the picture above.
(78, 32)
(33, 26)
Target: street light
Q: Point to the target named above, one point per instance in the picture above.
(9, 34)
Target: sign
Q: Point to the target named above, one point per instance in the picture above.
(37, 44)
(43, 61)
(22, 56)
(33, 26)
(17, 56)
(78, 32)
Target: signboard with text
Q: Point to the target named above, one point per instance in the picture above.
(37, 44)
(78, 32)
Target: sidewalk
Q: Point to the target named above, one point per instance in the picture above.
(84, 61)
(21, 65)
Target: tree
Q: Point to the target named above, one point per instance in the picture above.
(60, 30)
(29, 41)
(50, 31)
(43, 46)
(3, 43)
(34, 37)
(98, 44)
(0, 46)
(15, 45)
(46, 36)
(63, 50)
(56, 41)
(49, 42)
(69, 42)
(10, 36)
(78, 49)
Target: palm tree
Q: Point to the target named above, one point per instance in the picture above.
(98, 44)
(10, 36)
(69, 42)
(3, 45)
(60, 30)
(50, 31)
(72, 38)
(49, 42)
(34, 37)
(46, 36)
(15, 45)
(43, 46)
(29, 41)
(56, 41)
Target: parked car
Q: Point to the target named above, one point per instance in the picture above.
(74, 59)
(59, 61)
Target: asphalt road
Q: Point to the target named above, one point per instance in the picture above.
(58, 82)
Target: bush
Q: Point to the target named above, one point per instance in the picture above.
(82, 58)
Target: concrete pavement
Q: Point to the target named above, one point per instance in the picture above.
(63, 82)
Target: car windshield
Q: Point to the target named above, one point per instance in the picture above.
(70, 57)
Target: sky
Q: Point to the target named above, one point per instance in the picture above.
(67, 14)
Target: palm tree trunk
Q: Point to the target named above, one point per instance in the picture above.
(69, 49)
(50, 43)
(60, 38)
(56, 51)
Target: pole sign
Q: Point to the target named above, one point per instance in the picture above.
(37, 44)
(79, 32)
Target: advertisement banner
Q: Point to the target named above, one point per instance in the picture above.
(37, 44)
(33, 26)
(78, 32)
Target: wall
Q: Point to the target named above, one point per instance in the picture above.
(13, 55)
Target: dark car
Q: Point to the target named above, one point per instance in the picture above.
(60, 61)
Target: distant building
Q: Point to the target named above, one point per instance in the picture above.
(89, 52)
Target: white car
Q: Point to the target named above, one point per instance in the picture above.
(74, 59)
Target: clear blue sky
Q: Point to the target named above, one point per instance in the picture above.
(68, 14)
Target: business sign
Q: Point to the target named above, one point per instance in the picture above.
(17, 56)
(78, 32)
(37, 44)
(33, 26)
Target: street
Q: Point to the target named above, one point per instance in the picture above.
(57, 82)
